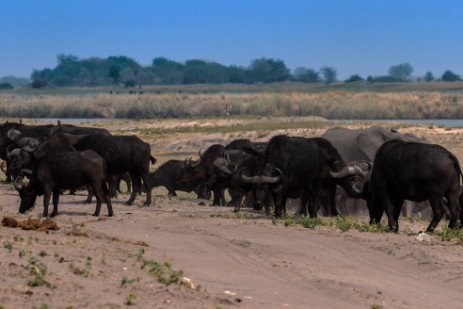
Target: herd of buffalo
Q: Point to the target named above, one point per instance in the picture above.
(375, 164)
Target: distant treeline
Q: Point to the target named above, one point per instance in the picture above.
(121, 70)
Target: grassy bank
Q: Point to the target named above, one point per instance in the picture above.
(388, 101)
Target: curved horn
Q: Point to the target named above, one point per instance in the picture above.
(347, 171)
(222, 165)
(18, 184)
(13, 134)
(27, 172)
(201, 153)
(357, 189)
(3, 166)
(369, 165)
(10, 153)
(31, 147)
(193, 164)
(262, 179)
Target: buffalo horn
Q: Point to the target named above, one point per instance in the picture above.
(18, 184)
(261, 179)
(356, 189)
(26, 172)
(221, 164)
(10, 153)
(347, 171)
(201, 153)
(30, 148)
(3, 166)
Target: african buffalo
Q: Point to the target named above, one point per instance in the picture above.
(202, 170)
(170, 174)
(297, 167)
(416, 172)
(66, 170)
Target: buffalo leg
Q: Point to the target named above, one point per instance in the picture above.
(107, 198)
(454, 208)
(89, 195)
(148, 187)
(46, 202)
(438, 212)
(280, 204)
(136, 183)
(397, 209)
(55, 202)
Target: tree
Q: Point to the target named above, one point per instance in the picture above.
(115, 73)
(401, 72)
(428, 77)
(40, 78)
(201, 72)
(354, 78)
(329, 74)
(6, 86)
(167, 71)
(268, 70)
(305, 75)
(449, 76)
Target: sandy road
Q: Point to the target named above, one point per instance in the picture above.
(258, 264)
(272, 266)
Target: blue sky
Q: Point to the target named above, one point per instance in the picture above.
(363, 37)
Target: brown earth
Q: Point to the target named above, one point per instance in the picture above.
(227, 261)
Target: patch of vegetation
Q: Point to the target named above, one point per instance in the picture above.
(448, 234)
(340, 222)
(8, 246)
(130, 299)
(77, 229)
(84, 272)
(126, 281)
(163, 272)
(38, 270)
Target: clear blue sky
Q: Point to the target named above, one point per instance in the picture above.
(361, 37)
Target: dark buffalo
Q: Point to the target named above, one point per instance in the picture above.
(296, 167)
(67, 170)
(416, 172)
(205, 168)
(291, 168)
(361, 145)
(170, 175)
(350, 176)
(28, 137)
(241, 156)
(123, 154)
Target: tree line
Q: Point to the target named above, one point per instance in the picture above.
(121, 70)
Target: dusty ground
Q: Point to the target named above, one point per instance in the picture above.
(243, 261)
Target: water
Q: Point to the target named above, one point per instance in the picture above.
(434, 122)
(72, 120)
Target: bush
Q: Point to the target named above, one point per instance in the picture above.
(354, 78)
(130, 83)
(6, 86)
(38, 83)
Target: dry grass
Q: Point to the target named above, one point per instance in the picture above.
(328, 104)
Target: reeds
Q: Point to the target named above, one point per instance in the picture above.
(328, 104)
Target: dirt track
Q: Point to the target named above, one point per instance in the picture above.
(238, 263)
